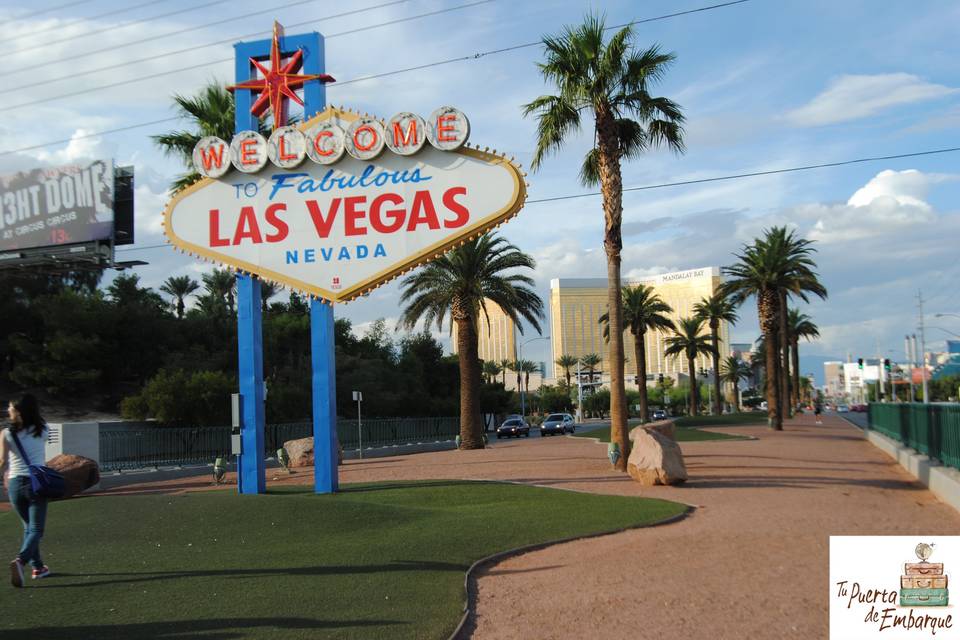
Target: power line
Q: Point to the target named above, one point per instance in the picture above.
(369, 77)
(71, 76)
(124, 25)
(735, 176)
(49, 9)
(64, 25)
(230, 59)
(258, 33)
(754, 174)
(72, 58)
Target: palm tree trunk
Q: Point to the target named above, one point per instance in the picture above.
(694, 392)
(785, 357)
(717, 390)
(180, 307)
(611, 187)
(768, 304)
(471, 436)
(640, 353)
(566, 372)
(795, 365)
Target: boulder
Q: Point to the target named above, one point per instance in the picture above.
(79, 473)
(655, 458)
(663, 427)
(301, 452)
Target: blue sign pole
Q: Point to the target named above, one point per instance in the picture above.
(252, 471)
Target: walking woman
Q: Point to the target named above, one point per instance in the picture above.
(30, 430)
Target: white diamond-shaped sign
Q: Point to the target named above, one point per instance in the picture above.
(339, 230)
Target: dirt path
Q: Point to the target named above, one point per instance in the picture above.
(750, 562)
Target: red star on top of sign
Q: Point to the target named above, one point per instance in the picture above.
(279, 82)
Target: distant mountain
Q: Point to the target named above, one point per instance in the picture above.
(814, 365)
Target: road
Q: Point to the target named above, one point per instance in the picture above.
(856, 418)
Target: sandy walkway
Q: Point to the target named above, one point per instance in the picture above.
(751, 562)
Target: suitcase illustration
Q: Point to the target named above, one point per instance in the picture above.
(923, 597)
(923, 568)
(923, 582)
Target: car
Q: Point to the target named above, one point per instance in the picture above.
(513, 428)
(844, 408)
(658, 414)
(859, 408)
(557, 423)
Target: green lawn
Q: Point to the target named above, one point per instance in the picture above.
(684, 434)
(719, 421)
(374, 561)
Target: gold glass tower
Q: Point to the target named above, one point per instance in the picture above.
(497, 335)
(576, 305)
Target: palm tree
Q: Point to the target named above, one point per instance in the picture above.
(610, 81)
(714, 310)
(566, 362)
(179, 287)
(211, 113)
(267, 291)
(504, 367)
(221, 284)
(491, 370)
(778, 261)
(733, 370)
(687, 341)
(590, 361)
(526, 367)
(643, 309)
(460, 284)
(800, 325)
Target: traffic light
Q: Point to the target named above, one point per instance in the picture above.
(860, 363)
(886, 365)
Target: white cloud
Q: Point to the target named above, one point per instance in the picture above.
(851, 97)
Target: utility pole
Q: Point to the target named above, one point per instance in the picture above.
(923, 350)
(579, 394)
(908, 348)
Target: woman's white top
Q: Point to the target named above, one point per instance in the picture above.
(32, 445)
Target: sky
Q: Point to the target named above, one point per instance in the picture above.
(763, 85)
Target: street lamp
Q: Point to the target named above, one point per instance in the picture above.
(523, 400)
(947, 331)
(943, 315)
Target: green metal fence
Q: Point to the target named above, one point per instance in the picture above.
(170, 446)
(931, 429)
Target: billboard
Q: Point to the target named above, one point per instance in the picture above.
(57, 205)
(345, 203)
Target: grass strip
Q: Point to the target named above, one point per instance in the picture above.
(374, 561)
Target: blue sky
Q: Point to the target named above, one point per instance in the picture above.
(764, 85)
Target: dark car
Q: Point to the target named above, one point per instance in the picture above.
(557, 423)
(513, 428)
(658, 414)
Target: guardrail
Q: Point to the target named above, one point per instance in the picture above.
(157, 446)
(931, 429)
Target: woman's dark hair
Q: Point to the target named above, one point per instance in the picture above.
(29, 410)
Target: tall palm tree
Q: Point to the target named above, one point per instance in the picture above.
(210, 113)
(221, 283)
(491, 370)
(179, 287)
(566, 362)
(732, 371)
(504, 367)
(591, 361)
(688, 342)
(611, 81)
(714, 310)
(526, 367)
(460, 284)
(643, 309)
(800, 325)
(267, 291)
(778, 261)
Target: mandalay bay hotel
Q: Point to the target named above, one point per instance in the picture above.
(575, 307)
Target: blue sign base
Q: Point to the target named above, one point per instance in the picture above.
(252, 468)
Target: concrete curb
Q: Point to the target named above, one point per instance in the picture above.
(943, 482)
(468, 611)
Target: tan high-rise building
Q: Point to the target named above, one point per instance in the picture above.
(497, 335)
(576, 305)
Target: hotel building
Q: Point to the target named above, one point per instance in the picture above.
(576, 305)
